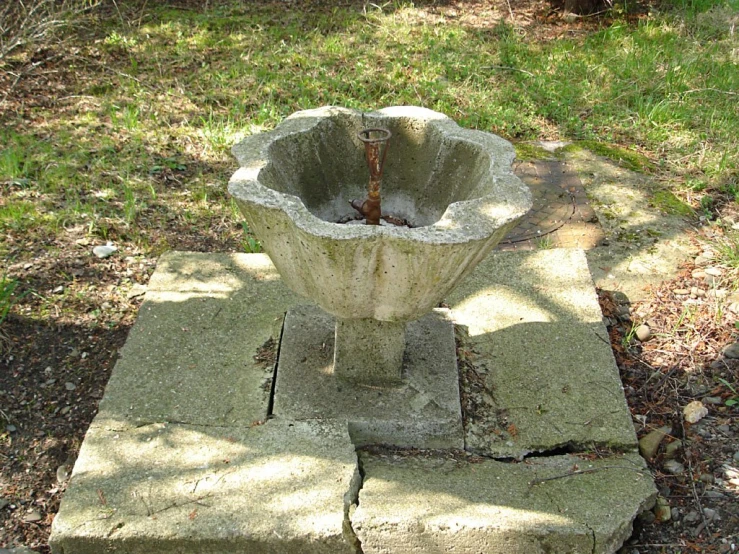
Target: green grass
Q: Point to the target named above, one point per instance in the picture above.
(163, 101)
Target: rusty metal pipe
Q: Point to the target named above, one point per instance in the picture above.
(376, 143)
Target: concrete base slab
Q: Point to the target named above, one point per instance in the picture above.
(436, 504)
(423, 411)
(170, 488)
(182, 458)
(536, 362)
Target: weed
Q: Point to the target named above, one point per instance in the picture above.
(248, 242)
(734, 400)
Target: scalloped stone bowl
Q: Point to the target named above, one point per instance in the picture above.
(455, 187)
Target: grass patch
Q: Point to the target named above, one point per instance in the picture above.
(140, 142)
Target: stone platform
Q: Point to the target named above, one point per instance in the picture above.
(184, 456)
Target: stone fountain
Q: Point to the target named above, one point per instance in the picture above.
(378, 383)
(453, 197)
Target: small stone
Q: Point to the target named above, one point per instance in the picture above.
(714, 494)
(62, 473)
(701, 260)
(65, 410)
(731, 351)
(647, 518)
(714, 400)
(736, 456)
(674, 467)
(675, 513)
(695, 411)
(32, 517)
(681, 292)
(70, 386)
(104, 251)
(58, 290)
(734, 307)
(710, 513)
(714, 271)
(662, 510)
(692, 516)
(643, 332)
(649, 443)
(3, 503)
(672, 449)
(136, 290)
(698, 274)
(10, 428)
(707, 478)
(725, 429)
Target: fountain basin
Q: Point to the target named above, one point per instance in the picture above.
(454, 186)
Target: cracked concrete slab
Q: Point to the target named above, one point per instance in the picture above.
(423, 411)
(435, 504)
(535, 343)
(190, 356)
(180, 459)
(170, 488)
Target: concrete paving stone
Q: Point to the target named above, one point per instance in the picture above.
(535, 337)
(424, 411)
(438, 504)
(190, 356)
(182, 489)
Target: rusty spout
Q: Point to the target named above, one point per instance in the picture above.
(376, 142)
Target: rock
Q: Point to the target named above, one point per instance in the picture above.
(65, 410)
(104, 251)
(643, 332)
(681, 292)
(58, 290)
(714, 400)
(692, 516)
(70, 386)
(707, 478)
(695, 411)
(714, 271)
(32, 517)
(647, 518)
(136, 290)
(62, 473)
(736, 456)
(674, 467)
(731, 351)
(698, 274)
(675, 513)
(714, 494)
(10, 428)
(3, 503)
(710, 513)
(662, 510)
(725, 429)
(672, 449)
(701, 260)
(649, 443)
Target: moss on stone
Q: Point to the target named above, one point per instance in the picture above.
(527, 151)
(629, 159)
(668, 203)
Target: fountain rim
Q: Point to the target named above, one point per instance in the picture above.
(462, 221)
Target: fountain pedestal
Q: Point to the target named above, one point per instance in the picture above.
(368, 351)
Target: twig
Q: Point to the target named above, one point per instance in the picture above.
(540, 480)
(711, 89)
(507, 68)
(692, 483)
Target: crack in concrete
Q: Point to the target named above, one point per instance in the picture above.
(351, 501)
